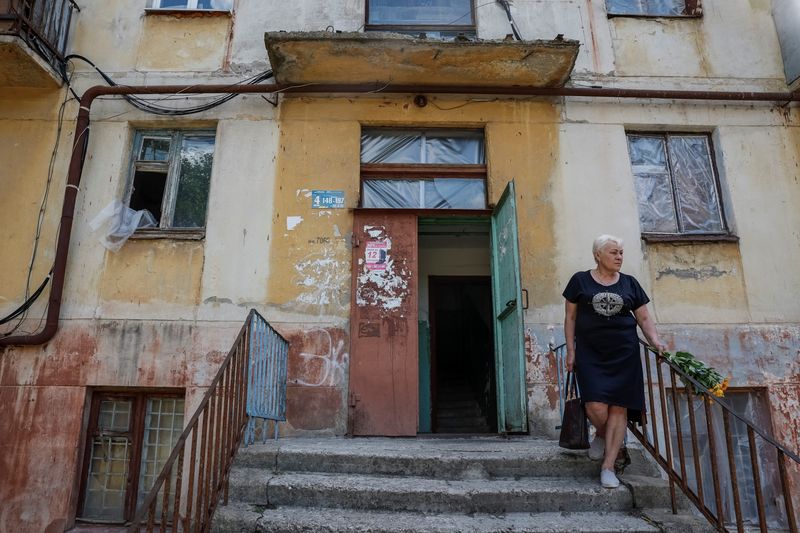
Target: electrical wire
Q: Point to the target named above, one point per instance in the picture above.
(147, 105)
(507, 9)
(21, 312)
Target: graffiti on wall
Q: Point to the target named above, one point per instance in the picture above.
(321, 358)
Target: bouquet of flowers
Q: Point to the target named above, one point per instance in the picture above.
(702, 373)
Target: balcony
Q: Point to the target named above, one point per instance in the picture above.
(33, 41)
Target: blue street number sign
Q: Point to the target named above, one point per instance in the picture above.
(327, 199)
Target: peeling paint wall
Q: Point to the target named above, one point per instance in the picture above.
(163, 313)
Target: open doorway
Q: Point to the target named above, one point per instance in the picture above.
(457, 369)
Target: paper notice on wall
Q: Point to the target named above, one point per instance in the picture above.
(376, 254)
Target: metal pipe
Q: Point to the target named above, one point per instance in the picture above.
(80, 142)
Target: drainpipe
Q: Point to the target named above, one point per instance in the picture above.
(81, 141)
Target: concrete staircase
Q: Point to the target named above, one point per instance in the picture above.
(476, 484)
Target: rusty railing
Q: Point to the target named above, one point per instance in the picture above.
(195, 475)
(734, 472)
(43, 24)
(731, 470)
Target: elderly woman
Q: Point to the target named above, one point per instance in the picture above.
(602, 310)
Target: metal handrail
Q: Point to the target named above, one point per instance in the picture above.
(660, 445)
(213, 435)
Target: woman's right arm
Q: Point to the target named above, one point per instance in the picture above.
(570, 313)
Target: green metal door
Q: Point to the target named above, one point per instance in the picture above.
(507, 296)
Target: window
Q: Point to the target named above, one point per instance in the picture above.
(654, 8)
(434, 169)
(433, 18)
(215, 5)
(170, 176)
(676, 184)
(130, 437)
(751, 405)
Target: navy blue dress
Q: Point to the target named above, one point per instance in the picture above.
(607, 361)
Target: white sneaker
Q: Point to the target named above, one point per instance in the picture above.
(597, 449)
(608, 479)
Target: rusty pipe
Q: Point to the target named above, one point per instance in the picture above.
(80, 142)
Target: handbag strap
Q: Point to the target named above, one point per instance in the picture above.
(570, 386)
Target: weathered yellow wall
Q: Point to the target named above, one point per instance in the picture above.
(28, 133)
(145, 271)
(727, 41)
(181, 42)
(696, 281)
(315, 153)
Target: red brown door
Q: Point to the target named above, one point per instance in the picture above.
(384, 374)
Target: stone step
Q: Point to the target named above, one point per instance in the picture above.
(237, 518)
(418, 494)
(438, 458)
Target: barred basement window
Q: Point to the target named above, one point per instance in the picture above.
(654, 8)
(171, 173)
(753, 405)
(439, 19)
(131, 435)
(676, 184)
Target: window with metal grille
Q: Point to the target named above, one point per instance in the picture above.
(676, 184)
(423, 169)
(751, 404)
(171, 174)
(130, 436)
(443, 19)
(654, 8)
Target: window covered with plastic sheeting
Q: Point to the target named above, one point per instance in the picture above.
(422, 147)
(430, 169)
(653, 8)
(676, 185)
(449, 193)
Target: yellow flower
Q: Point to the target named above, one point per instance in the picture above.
(725, 384)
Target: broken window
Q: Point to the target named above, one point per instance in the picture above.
(676, 183)
(753, 406)
(171, 176)
(654, 8)
(432, 18)
(130, 438)
(215, 5)
(432, 169)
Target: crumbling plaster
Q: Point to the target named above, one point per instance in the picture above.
(569, 160)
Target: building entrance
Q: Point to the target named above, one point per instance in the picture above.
(436, 323)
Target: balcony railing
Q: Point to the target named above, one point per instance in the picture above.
(42, 24)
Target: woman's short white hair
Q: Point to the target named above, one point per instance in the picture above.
(604, 239)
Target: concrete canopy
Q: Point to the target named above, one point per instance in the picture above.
(355, 58)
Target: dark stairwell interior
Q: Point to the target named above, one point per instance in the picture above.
(463, 355)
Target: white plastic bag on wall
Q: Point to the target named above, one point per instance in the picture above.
(118, 222)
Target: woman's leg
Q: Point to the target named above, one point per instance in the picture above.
(616, 426)
(598, 416)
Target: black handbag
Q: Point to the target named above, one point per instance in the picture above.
(574, 426)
